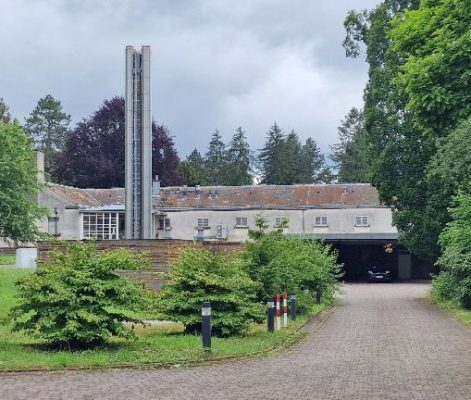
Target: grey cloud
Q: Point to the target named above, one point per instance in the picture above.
(216, 64)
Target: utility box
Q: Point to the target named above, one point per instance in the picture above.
(221, 231)
(26, 257)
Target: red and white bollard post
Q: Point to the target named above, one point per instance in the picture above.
(278, 312)
(285, 309)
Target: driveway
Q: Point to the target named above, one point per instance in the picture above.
(382, 342)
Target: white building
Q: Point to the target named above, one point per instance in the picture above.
(335, 211)
(350, 217)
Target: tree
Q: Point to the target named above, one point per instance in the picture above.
(313, 168)
(398, 152)
(194, 169)
(435, 42)
(418, 91)
(199, 275)
(5, 116)
(350, 155)
(75, 299)
(291, 151)
(48, 125)
(165, 160)
(271, 158)
(94, 154)
(216, 160)
(278, 262)
(448, 172)
(18, 185)
(453, 284)
(284, 161)
(238, 160)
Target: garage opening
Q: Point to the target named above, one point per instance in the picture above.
(359, 256)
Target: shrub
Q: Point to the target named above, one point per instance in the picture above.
(199, 275)
(454, 281)
(72, 298)
(278, 262)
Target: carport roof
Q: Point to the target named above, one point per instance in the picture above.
(332, 236)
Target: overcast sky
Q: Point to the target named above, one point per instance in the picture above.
(215, 64)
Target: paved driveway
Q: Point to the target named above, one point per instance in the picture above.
(382, 342)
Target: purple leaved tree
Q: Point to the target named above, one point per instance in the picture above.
(94, 152)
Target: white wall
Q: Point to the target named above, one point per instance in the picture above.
(340, 220)
(68, 224)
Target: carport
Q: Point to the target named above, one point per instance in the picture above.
(360, 251)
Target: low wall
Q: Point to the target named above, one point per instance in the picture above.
(7, 250)
(161, 252)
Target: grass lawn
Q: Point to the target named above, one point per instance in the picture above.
(7, 259)
(155, 345)
(460, 314)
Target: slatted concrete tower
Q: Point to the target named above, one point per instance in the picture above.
(138, 144)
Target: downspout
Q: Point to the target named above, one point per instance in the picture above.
(302, 218)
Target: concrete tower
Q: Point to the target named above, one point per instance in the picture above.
(138, 144)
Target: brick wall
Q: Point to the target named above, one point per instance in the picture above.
(161, 252)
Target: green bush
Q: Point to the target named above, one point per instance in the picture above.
(199, 275)
(278, 262)
(72, 298)
(454, 281)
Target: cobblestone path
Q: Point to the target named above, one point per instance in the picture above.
(382, 342)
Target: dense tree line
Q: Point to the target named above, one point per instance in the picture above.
(416, 96)
(282, 161)
(92, 153)
(285, 161)
(221, 165)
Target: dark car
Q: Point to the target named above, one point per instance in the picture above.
(379, 274)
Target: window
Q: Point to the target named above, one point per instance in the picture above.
(241, 221)
(280, 221)
(101, 226)
(361, 221)
(164, 223)
(320, 221)
(53, 226)
(203, 223)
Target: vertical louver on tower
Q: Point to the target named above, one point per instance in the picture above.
(138, 144)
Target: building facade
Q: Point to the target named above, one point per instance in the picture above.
(226, 213)
(350, 217)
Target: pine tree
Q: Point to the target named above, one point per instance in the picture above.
(5, 116)
(350, 155)
(238, 161)
(271, 159)
(312, 164)
(216, 160)
(48, 125)
(292, 165)
(194, 169)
